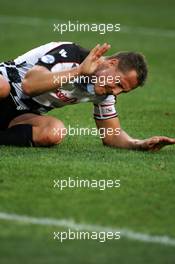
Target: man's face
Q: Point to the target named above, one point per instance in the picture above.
(116, 82)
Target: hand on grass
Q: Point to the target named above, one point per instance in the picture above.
(156, 143)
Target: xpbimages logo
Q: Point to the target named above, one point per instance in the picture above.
(87, 131)
(101, 184)
(84, 79)
(101, 236)
(101, 28)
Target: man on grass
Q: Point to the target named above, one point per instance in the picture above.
(49, 77)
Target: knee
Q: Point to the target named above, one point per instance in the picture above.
(56, 132)
(52, 134)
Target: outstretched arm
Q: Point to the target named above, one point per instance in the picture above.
(114, 136)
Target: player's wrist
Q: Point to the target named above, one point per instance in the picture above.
(81, 70)
(138, 144)
(85, 69)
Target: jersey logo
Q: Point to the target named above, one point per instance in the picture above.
(64, 98)
(63, 53)
(49, 59)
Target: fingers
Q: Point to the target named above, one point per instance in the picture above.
(94, 50)
(162, 139)
(158, 142)
(168, 140)
(104, 48)
(98, 51)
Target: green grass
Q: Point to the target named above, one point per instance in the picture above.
(146, 201)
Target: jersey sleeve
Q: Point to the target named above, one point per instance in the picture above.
(63, 53)
(105, 109)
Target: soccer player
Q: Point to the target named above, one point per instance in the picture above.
(48, 77)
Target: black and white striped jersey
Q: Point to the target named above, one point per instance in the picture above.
(55, 56)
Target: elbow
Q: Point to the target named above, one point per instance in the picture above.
(27, 87)
(107, 142)
(28, 83)
(4, 88)
(33, 82)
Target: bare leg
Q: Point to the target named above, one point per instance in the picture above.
(47, 130)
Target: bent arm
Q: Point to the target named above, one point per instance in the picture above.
(114, 136)
(39, 79)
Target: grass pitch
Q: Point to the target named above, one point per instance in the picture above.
(145, 202)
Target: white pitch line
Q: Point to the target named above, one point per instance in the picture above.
(28, 21)
(38, 21)
(125, 233)
(169, 33)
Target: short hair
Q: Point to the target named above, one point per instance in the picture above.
(132, 61)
